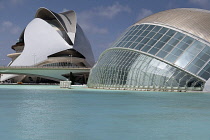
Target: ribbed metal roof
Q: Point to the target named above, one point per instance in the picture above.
(194, 21)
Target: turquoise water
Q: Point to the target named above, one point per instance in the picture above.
(50, 113)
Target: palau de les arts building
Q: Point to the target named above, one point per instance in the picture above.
(51, 40)
(167, 51)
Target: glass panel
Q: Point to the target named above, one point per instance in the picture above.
(203, 56)
(157, 36)
(165, 38)
(170, 33)
(151, 34)
(123, 44)
(139, 39)
(167, 48)
(198, 62)
(178, 74)
(128, 38)
(182, 46)
(134, 38)
(150, 27)
(153, 51)
(144, 33)
(136, 27)
(156, 29)
(159, 45)
(127, 45)
(162, 54)
(204, 75)
(139, 46)
(179, 36)
(133, 45)
(145, 26)
(134, 32)
(132, 28)
(188, 55)
(171, 58)
(184, 59)
(193, 68)
(129, 32)
(138, 33)
(199, 45)
(188, 40)
(207, 67)
(151, 42)
(124, 38)
(176, 51)
(195, 48)
(173, 42)
(146, 48)
(207, 50)
(163, 30)
(145, 40)
(139, 27)
(120, 44)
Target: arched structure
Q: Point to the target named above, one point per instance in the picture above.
(52, 39)
(169, 50)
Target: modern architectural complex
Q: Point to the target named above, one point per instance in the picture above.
(51, 40)
(166, 51)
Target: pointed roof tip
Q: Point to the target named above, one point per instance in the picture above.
(67, 19)
(67, 11)
(40, 9)
(44, 8)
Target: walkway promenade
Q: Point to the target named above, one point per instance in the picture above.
(51, 72)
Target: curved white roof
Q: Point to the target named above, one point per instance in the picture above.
(193, 21)
(41, 40)
(67, 20)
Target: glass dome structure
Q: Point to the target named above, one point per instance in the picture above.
(167, 51)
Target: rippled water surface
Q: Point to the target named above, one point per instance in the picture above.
(50, 113)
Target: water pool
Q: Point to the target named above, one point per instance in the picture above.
(31, 112)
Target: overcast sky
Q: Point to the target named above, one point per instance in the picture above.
(102, 20)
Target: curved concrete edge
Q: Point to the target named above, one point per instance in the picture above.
(36, 51)
(207, 86)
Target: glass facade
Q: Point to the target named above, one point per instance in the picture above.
(141, 50)
(122, 68)
(61, 64)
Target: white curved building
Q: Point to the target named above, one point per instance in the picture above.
(167, 51)
(51, 39)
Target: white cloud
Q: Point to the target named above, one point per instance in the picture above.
(144, 13)
(64, 10)
(86, 18)
(8, 26)
(86, 22)
(90, 27)
(203, 3)
(4, 4)
(111, 11)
